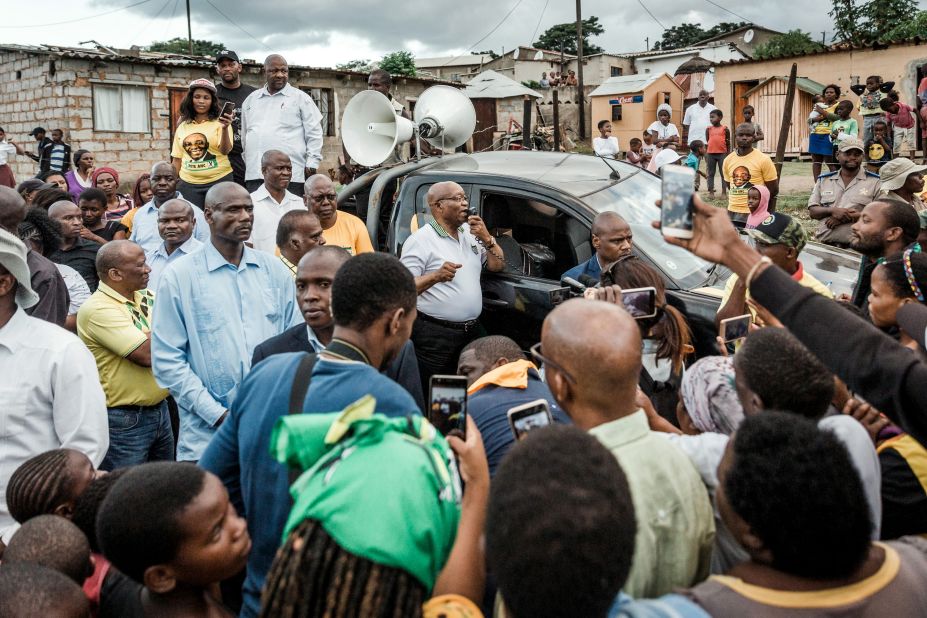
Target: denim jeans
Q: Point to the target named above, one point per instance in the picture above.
(137, 435)
(715, 162)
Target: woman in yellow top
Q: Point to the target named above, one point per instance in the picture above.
(820, 119)
(202, 143)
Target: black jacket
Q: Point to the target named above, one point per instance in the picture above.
(45, 157)
(403, 370)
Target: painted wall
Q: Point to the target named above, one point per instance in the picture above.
(636, 117)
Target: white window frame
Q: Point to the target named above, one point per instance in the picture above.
(99, 120)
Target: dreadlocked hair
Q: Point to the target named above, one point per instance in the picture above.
(39, 485)
(314, 576)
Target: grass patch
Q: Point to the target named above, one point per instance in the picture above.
(793, 204)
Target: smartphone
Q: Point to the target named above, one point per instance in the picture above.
(228, 108)
(530, 416)
(676, 209)
(640, 302)
(733, 329)
(447, 403)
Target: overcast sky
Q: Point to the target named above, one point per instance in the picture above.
(324, 33)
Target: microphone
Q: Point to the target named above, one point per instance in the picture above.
(573, 283)
(589, 281)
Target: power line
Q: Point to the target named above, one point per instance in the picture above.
(740, 17)
(167, 26)
(654, 17)
(538, 27)
(489, 34)
(73, 21)
(229, 19)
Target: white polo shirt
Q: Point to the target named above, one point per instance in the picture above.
(267, 214)
(460, 299)
(697, 118)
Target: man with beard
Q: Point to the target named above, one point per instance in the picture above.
(838, 197)
(230, 89)
(215, 306)
(884, 228)
(145, 224)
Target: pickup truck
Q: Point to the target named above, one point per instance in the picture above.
(540, 207)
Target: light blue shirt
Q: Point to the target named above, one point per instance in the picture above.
(209, 318)
(159, 258)
(145, 226)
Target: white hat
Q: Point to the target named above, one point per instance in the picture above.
(13, 258)
(665, 157)
(895, 173)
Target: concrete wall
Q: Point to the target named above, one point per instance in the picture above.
(636, 117)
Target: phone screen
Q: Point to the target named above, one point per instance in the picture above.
(733, 329)
(228, 108)
(447, 403)
(640, 302)
(529, 417)
(676, 209)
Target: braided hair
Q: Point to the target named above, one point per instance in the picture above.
(314, 576)
(40, 485)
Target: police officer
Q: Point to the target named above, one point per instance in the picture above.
(838, 197)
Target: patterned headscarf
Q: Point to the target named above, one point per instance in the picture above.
(104, 170)
(710, 397)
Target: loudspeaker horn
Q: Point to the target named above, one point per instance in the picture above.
(445, 117)
(371, 129)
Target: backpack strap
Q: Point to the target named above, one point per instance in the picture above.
(301, 381)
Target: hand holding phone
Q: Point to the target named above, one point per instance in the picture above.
(447, 404)
(528, 417)
(734, 329)
(640, 302)
(676, 207)
(228, 108)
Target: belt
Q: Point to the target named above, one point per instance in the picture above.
(461, 326)
(155, 407)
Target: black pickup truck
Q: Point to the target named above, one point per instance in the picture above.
(540, 205)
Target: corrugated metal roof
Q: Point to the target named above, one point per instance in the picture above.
(626, 84)
(801, 83)
(833, 49)
(452, 61)
(492, 85)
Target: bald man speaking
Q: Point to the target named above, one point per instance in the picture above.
(611, 240)
(446, 258)
(591, 352)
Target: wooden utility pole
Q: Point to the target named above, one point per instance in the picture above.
(526, 141)
(786, 119)
(189, 31)
(581, 99)
(556, 103)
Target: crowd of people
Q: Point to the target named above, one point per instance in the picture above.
(215, 395)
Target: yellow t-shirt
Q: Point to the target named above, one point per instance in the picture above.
(197, 147)
(823, 126)
(127, 220)
(112, 331)
(759, 170)
(802, 277)
(349, 233)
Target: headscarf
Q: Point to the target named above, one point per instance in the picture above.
(104, 170)
(762, 210)
(664, 107)
(710, 397)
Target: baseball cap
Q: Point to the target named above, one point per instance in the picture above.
(227, 54)
(852, 143)
(780, 229)
(912, 318)
(37, 130)
(896, 172)
(202, 83)
(13, 258)
(385, 489)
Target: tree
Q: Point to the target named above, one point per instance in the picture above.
(908, 28)
(488, 52)
(723, 28)
(361, 66)
(883, 16)
(179, 45)
(399, 63)
(847, 20)
(682, 35)
(874, 21)
(792, 43)
(566, 34)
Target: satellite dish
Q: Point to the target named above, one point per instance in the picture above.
(539, 55)
(444, 116)
(371, 129)
(515, 54)
(748, 35)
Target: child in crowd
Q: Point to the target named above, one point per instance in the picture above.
(901, 117)
(170, 526)
(29, 590)
(869, 102)
(635, 156)
(606, 145)
(749, 113)
(879, 146)
(92, 205)
(48, 484)
(758, 203)
(719, 145)
(648, 149)
(694, 159)
(54, 542)
(843, 127)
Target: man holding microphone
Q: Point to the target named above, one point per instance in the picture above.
(446, 258)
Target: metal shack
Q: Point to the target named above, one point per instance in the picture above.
(768, 100)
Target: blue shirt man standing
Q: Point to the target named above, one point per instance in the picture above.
(611, 240)
(219, 303)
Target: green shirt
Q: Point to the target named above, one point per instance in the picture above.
(675, 521)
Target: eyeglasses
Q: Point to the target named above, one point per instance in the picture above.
(540, 359)
(457, 198)
(318, 199)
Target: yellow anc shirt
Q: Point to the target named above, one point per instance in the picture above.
(756, 168)
(197, 147)
(349, 233)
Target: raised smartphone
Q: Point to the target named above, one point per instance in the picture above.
(676, 208)
(529, 416)
(733, 329)
(447, 403)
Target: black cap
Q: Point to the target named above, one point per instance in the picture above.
(227, 54)
(912, 318)
(37, 130)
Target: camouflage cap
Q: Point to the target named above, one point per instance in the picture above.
(780, 229)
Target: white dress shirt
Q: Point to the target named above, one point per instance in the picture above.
(158, 259)
(461, 298)
(145, 226)
(50, 397)
(287, 120)
(607, 147)
(697, 119)
(78, 290)
(267, 214)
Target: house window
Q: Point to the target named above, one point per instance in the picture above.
(665, 96)
(125, 109)
(323, 100)
(617, 71)
(616, 113)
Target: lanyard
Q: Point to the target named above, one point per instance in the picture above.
(343, 350)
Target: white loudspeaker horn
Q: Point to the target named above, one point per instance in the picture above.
(445, 117)
(371, 129)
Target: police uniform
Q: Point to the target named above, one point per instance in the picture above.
(830, 191)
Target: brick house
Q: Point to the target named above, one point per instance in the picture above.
(123, 105)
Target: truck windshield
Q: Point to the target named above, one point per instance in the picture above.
(634, 197)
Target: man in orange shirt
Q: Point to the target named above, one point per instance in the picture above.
(339, 229)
